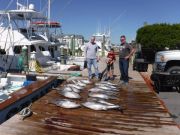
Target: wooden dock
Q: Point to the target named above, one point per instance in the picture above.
(144, 114)
(24, 96)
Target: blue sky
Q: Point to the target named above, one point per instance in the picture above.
(122, 16)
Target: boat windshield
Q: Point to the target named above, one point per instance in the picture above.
(30, 34)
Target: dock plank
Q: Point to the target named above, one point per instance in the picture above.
(144, 115)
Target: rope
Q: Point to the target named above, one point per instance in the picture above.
(26, 112)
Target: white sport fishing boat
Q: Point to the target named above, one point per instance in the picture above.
(49, 31)
(15, 32)
(103, 40)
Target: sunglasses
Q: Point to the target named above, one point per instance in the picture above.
(122, 39)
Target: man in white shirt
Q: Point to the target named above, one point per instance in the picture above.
(91, 55)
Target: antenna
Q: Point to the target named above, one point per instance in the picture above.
(17, 4)
(27, 3)
(40, 5)
(49, 11)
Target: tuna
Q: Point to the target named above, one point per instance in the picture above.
(65, 103)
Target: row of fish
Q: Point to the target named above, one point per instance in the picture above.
(104, 90)
(72, 90)
(92, 103)
(97, 95)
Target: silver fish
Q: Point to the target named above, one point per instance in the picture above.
(86, 81)
(99, 101)
(105, 102)
(67, 89)
(70, 94)
(75, 86)
(105, 92)
(110, 91)
(81, 84)
(95, 90)
(104, 87)
(94, 105)
(75, 90)
(101, 95)
(110, 86)
(65, 103)
(105, 83)
(99, 106)
(74, 81)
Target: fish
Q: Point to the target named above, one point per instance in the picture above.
(101, 106)
(101, 95)
(111, 86)
(106, 83)
(107, 88)
(75, 86)
(94, 106)
(74, 81)
(64, 89)
(75, 90)
(81, 84)
(68, 88)
(99, 101)
(70, 94)
(108, 93)
(86, 81)
(104, 87)
(65, 103)
(95, 89)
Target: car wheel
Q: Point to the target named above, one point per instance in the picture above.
(174, 70)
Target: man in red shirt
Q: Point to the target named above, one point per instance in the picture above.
(110, 65)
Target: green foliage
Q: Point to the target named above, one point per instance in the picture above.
(159, 36)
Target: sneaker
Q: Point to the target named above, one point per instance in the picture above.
(121, 82)
(112, 78)
(126, 83)
(106, 79)
(90, 77)
(96, 79)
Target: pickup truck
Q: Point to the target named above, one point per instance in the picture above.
(166, 70)
(167, 61)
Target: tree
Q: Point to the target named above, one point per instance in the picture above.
(159, 36)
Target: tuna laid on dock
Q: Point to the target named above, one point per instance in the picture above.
(143, 114)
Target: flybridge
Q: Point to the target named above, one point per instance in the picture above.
(22, 14)
(46, 24)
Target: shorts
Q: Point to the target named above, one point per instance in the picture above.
(110, 67)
